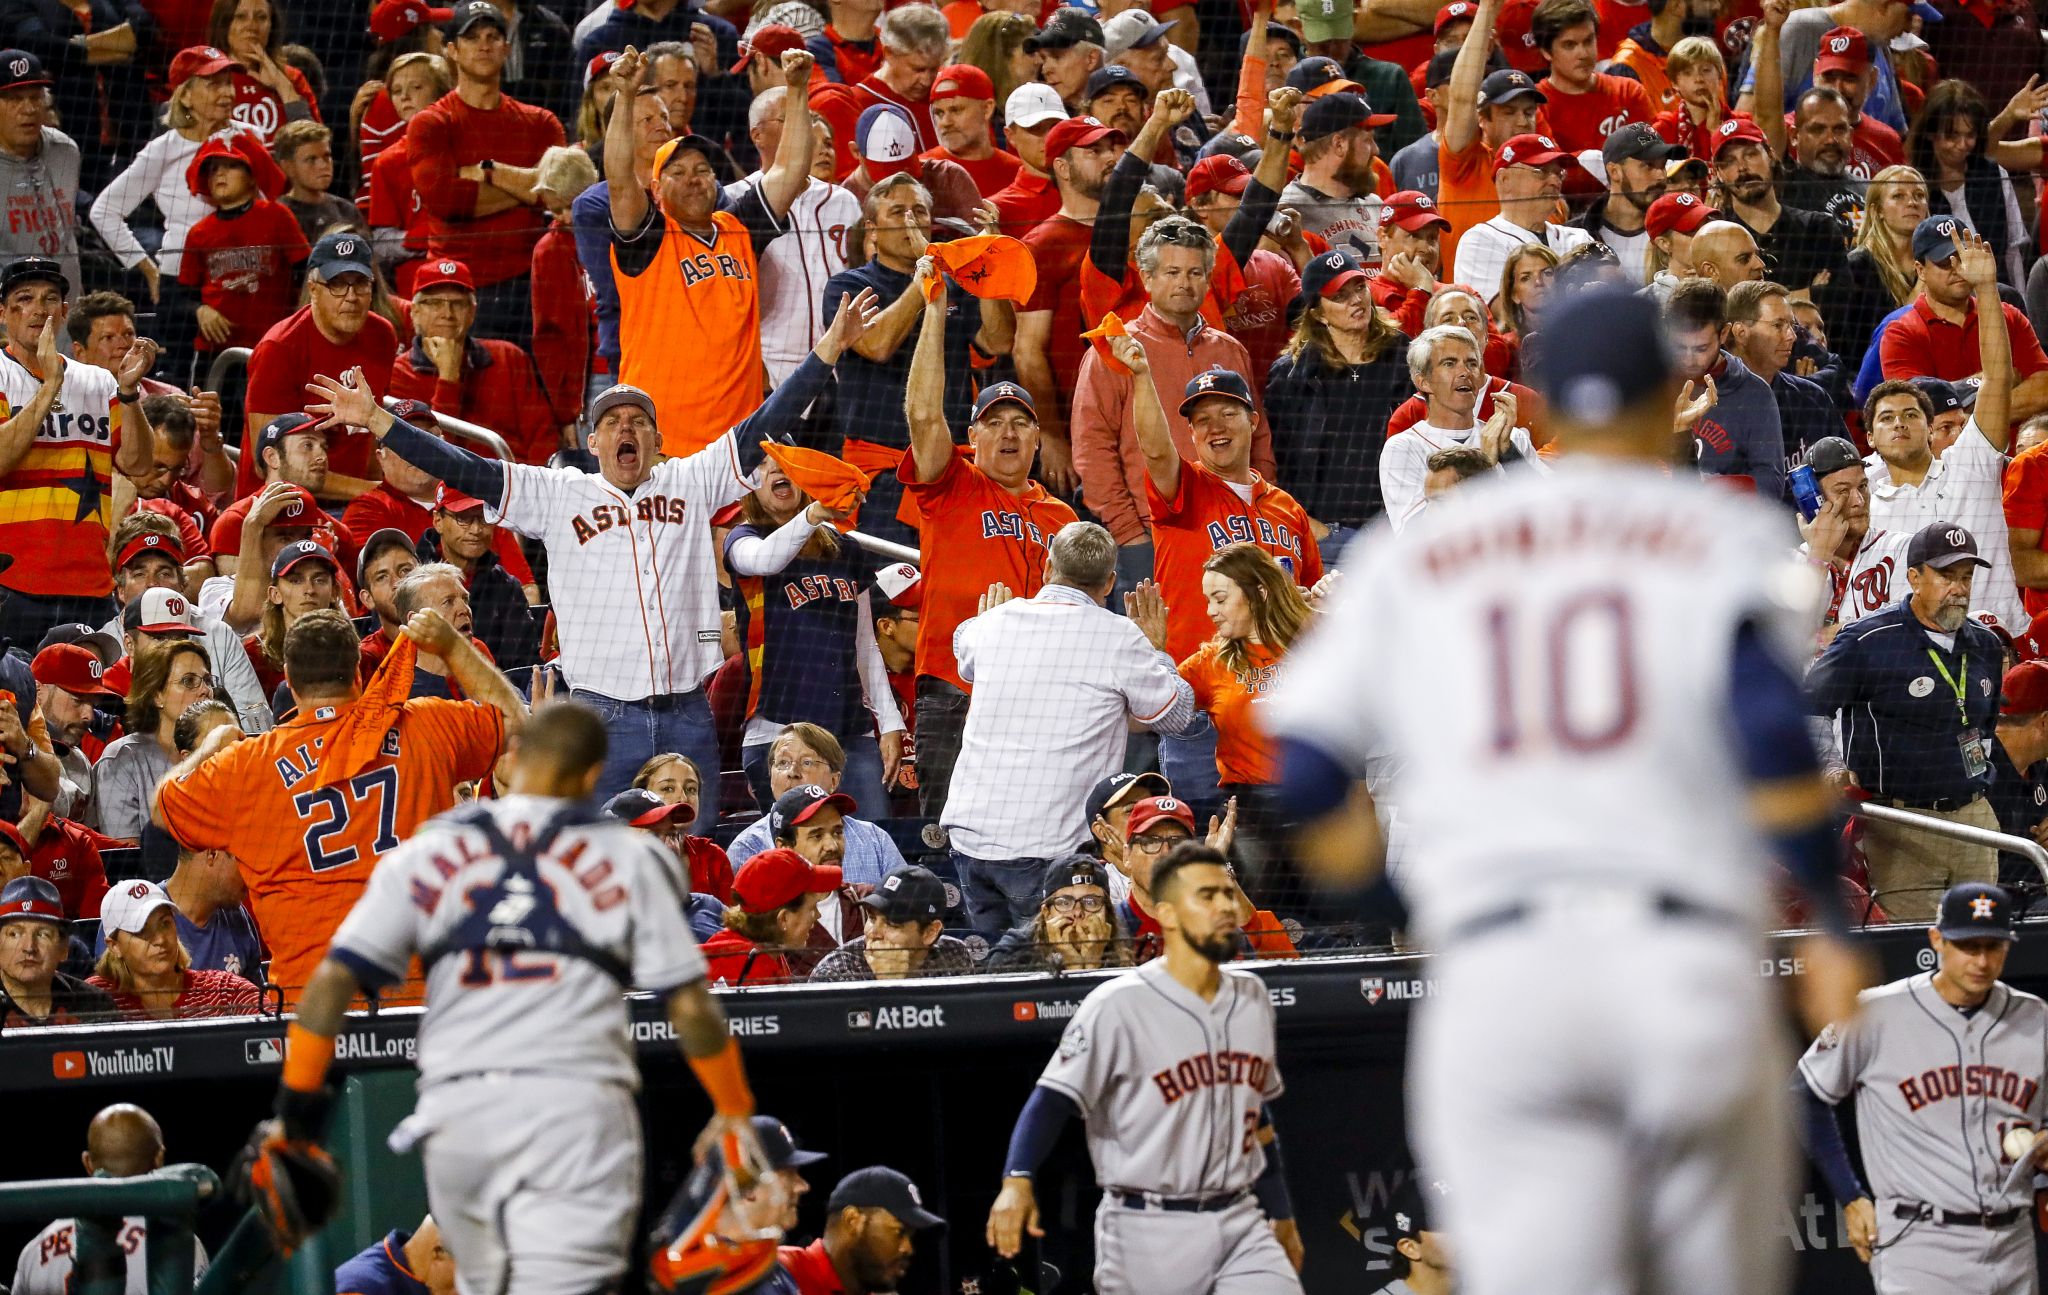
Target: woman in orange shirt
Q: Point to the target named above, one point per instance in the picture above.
(1258, 612)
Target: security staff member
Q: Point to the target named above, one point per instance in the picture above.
(1914, 690)
(2019, 767)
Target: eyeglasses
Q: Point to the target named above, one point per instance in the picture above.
(350, 287)
(1155, 844)
(194, 681)
(1086, 903)
(808, 764)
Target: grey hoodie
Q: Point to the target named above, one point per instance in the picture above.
(41, 196)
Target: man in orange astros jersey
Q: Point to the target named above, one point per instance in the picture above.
(309, 807)
(985, 521)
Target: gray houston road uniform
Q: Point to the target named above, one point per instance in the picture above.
(1597, 1076)
(532, 1142)
(1171, 1088)
(1935, 1093)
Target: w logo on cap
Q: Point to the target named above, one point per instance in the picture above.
(93, 667)
(1169, 804)
(345, 247)
(1334, 260)
(1947, 229)
(1729, 127)
(1839, 45)
(174, 605)
(151, 541)
(447, 267)
(17, 67)
(139, 890)
(1956, 537)
(1686, 199)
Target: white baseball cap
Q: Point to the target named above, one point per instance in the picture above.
(1033, 104)
(127, 907)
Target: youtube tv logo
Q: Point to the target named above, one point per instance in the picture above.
(68, 1065)
(1024, 1011)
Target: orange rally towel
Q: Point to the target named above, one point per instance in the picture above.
(987, 265)
(877, 459)
(833, 482)
(360, 736)
(1112, 325)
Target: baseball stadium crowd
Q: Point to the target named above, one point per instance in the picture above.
(922, 432)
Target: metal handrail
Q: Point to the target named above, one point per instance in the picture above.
(2019, 845)
(886, 548)
(234, 357)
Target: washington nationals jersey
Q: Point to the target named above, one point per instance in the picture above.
(1170, 1086)
(1561, 642)
(554, 1013)
(1876, 577)
(46, 1262)
(635, 576)
(794, 269)
(1924, 1075)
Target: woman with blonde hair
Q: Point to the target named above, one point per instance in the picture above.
(1328, 397)
(674, 779)
(164, 683)
(146, 969)
(398, 229)
(1880, 274)
(995, 44)
(1524, 286)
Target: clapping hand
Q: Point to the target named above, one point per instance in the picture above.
(993, 597)
(1691, 407)
(1147, 609)
(856, 315)
(343, 402)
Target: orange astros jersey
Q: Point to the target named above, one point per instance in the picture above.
(1208, 514)
(306, 853)
(690, 332)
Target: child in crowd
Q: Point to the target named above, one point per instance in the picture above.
(244, 257)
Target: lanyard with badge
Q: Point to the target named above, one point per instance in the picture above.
(1974, 763)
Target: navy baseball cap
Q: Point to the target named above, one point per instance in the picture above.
(1120, 788)
(639, 807)
(1104, 79)
(1274, 31)
(1832, 454)
(33, 269)
(1076, 870)
(471, 12)
(1507, 85)
(346, 252)
(880, 1188)
(996, 393)
(909, 894)
(1216, 382)
(1066, 28)
(1942, 545)
(301, 551)
(796, 806)
(1333, 113)
(1976, 910)
(1315, 73)
(1329, 272)
(1934, 239)
(779, 1146)
(1639, 142)
(34, 898)
(277, 429)
(1943, 395)
(1440, 68)
(1607, 368)
(1414, 1202)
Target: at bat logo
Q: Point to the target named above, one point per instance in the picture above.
(909, 1017)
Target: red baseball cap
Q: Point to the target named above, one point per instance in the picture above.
(1413, 211)
(2031, 643)
(1683, 213)
(448, 499)
(1079, 132)
(1154, 810)
(776, 877)
(200, 60)
(75, 669)
(1842, 49)
(1217, 173)
(963, 81)
(396, 19)
(1738, 130)
(1530, 150)
(600, 65)
(1990, 621)
(902, 584)
(443, 272)
(2026, 689)
(217, 148)
(28, 895)
(772, 39)
(1456, 11)
(150, 542)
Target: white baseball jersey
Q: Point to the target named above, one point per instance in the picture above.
(1404, 464)
(45, 1264)
(1171, 1086)
(526, 1011)
(1876, 577)
(1936, 1090)
(794, 269)
(635, 576)
(1966, 487)
(1558, 647)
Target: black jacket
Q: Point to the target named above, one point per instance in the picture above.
(497, 604)
(1984, 191)
(1329, 426)
(1853, 302)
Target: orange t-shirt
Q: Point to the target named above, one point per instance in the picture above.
(1205, 515)
(1465, 193)
(975, 533)
(2026, 509)
(1243, 753)
(305, 853)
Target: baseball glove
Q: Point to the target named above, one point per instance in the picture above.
(293, 1184)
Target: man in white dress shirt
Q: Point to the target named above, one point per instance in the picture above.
(1528, 176)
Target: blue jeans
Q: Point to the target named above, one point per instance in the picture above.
(640, 730)
(861, 779)
(999, 893)
(1189, 763)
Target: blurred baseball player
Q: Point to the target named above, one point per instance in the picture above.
(307, 842)
(122, 1141)
(1172, 1068)
(532, 916)
(1946, 1071)
(1609, 652)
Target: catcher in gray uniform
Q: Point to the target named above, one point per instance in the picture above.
(1946, 1068)
(1424, 1261)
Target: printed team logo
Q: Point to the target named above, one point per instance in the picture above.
(17, 67)
(1373, 989)
(347, 247)
(1920, 687)
(1074, 1042)
(263, 1052)
(1838, 45)
(447, 267)
(1983, 907)
(138, 890)
(1947, 229)
(1830, 1038)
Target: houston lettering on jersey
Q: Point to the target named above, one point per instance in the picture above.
(810, 589)
(1208, 1069)
(1010, 526)
(654, 508)
(298, 766)
(700, 266)
(1944, 1082)
(1239, 529)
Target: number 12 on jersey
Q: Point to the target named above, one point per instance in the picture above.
(1563, 677)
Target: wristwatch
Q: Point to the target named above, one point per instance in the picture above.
(489, 168)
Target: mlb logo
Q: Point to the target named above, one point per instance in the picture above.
(1373, 989)
(263, 1052)
(860, 1020)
